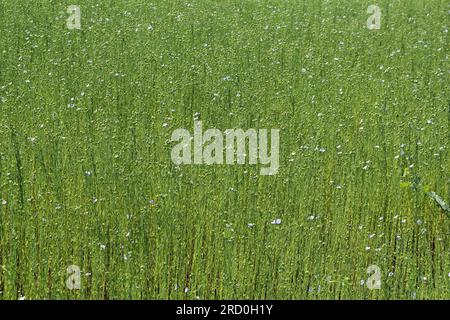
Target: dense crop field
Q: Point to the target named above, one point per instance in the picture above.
(88, 187)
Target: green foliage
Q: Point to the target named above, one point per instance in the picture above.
(86, 176)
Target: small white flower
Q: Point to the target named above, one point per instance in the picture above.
(4, 202)
(250, 225)
(276, 222)
(102, 246)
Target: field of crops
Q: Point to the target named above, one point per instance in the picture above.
(92, 206)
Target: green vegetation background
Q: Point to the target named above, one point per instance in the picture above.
(86, 176)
